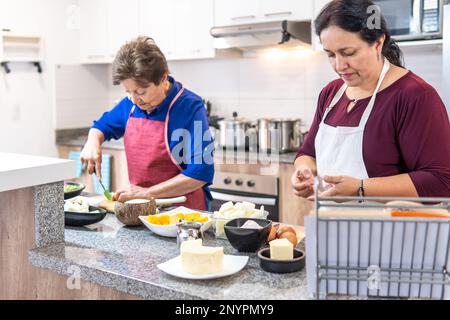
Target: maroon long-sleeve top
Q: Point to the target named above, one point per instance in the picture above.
(408, 131)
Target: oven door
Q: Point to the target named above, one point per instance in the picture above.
(412, 19)
(270, 203)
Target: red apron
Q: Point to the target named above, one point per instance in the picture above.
(149, 159)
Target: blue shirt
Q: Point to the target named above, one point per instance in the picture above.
(188, 130)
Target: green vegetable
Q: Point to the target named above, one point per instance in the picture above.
(108, 195)
(71, 187)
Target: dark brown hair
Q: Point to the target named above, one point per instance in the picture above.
(140, 60)
(353, 16)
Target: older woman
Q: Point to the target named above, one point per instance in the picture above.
(379, 130)
(163, 125)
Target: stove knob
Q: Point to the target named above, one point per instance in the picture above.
(227, 181)
(251, 183)
(238, 182)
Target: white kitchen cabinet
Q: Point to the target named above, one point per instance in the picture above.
(122, 23)
(179, 27)
(192, 35)
(157, 20)
(105, 26)
(234, 12)
(286, 9)
(317, 7)
(93, 31)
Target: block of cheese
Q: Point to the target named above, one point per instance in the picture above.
(198, 259)
(281, 249)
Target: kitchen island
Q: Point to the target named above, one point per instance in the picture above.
(32, 217)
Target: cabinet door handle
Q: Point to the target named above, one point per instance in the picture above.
(95, 56)
(274, 14)
(243, 17)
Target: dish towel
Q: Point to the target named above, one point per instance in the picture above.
(74, 155)
(106, 175)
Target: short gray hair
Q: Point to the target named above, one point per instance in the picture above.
(140, 60)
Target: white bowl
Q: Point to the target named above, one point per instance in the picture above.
(167, 230)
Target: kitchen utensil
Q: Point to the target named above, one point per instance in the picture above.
(247, 240)
(281, 266)
(108, 195)
(285, 135)
(233, 133)
(108, 205)
(263, 135)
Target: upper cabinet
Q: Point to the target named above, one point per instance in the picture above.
(156, 20)
(179, 27)
(317, 7)
(93, 31)
(105, 26)
(286, 9)
(193, 22)
(123, 23)
(234, 12)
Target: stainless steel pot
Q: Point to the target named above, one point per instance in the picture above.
(263, 135)
(233, 133)
(280, 135)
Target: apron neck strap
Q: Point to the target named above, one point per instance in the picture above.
(369, 107)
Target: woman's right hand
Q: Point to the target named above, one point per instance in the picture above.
(303, 182)
(91, 157)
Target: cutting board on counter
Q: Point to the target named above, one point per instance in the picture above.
(108, 205)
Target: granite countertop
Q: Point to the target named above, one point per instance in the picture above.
(126, 258)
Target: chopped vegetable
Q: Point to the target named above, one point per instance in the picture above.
(71, 187)
(108, 195)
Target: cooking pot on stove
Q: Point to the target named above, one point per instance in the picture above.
(279, 135)
(233, 132)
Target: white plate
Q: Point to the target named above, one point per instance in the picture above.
(168, 230)
(231, 265)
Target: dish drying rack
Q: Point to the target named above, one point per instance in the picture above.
(377, 257)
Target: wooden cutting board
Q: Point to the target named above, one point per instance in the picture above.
(108, 205)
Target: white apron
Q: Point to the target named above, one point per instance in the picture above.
(339, 150)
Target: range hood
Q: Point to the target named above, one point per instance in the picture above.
(260, 35)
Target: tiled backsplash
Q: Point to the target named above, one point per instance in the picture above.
(270, 84)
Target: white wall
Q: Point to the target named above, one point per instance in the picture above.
(278, 84)
(26, 106)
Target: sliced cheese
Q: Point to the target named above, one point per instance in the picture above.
(198, 259)
(281, 249)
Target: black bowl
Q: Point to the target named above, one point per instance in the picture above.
(75, 193)
(78, 219)
(281, 266)
(247, 240)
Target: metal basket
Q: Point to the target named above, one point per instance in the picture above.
(375, 257)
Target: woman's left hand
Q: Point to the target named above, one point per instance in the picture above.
(135, 192)
(341, 186)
